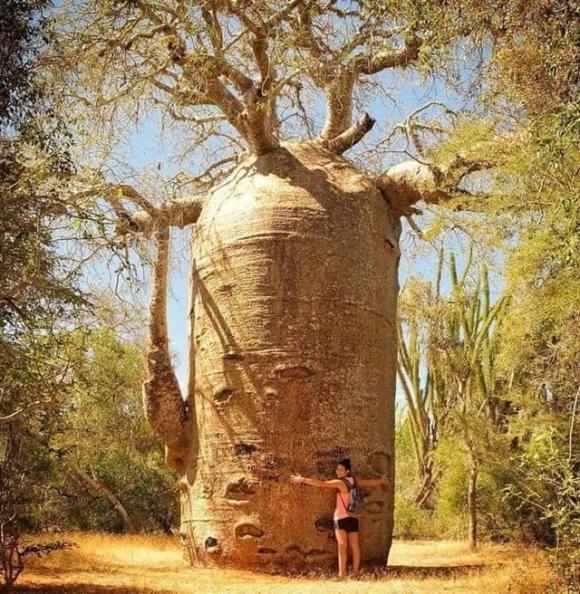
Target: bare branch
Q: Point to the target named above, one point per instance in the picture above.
(460, 167)
(338, 82)
(124, 190)
(18, 413)
(371, 63)
(411, 128)
(279, 16)
(338, 91)
(214, 28)
(409, 182)
(99, 487)
(179, 116)
(307, 39)
(352, 135)
(242, 82)
(208, 176)
(414, 225)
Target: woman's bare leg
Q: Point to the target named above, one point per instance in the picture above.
(341, 540)
(354, 547)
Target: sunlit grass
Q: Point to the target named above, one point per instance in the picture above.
(146, 564)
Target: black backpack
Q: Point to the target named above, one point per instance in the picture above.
(355, 499)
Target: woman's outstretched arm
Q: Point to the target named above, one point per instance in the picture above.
(383, 481)
(300, 480)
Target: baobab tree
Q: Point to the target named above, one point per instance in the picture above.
(294, 250)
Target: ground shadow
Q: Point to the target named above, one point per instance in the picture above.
(112, 569)
(427, 571)
(82, 588)
(411, 572)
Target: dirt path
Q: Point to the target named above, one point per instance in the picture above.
(153, 564)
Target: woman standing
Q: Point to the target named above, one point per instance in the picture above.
(345, 523)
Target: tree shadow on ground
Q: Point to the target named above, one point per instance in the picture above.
(81, 588)
(428, 571)
(378, 573)
(409, 572)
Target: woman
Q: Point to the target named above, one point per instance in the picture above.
(345, 524)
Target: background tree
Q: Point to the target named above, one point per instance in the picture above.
(45, 318)
(531, 214)
(536, 208)
(34, 290)
(462, 388)
(118, 482)
(466, 345)
(422, 387)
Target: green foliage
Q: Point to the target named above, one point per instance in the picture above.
(452, 493)
(36, 292)
(414, 522)
(544, 271)
(510, 418)
(74, 391)
(528, 207)
(545, 489)
(411, 520)
(21, 30)
(94, 420)
(105, 431)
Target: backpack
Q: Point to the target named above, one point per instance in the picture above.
(355, 499)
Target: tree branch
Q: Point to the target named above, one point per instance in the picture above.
(338, 82)
(411, 181)
(352, 135)
(13, 416)
(180, 212)
(369, 63)
(102, 489)
(338, 92)
(163, 403)
(413, 225)
(406, 183)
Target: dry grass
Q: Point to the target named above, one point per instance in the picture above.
(153, 564)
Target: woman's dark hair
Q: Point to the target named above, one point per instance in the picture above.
(346, 463)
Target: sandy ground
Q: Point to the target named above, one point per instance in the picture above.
(153, 564)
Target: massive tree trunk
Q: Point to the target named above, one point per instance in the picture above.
(293, 347)
(294, 358)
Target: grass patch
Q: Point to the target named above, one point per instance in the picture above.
(148, 564)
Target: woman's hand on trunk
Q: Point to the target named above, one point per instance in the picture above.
(297, 479)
